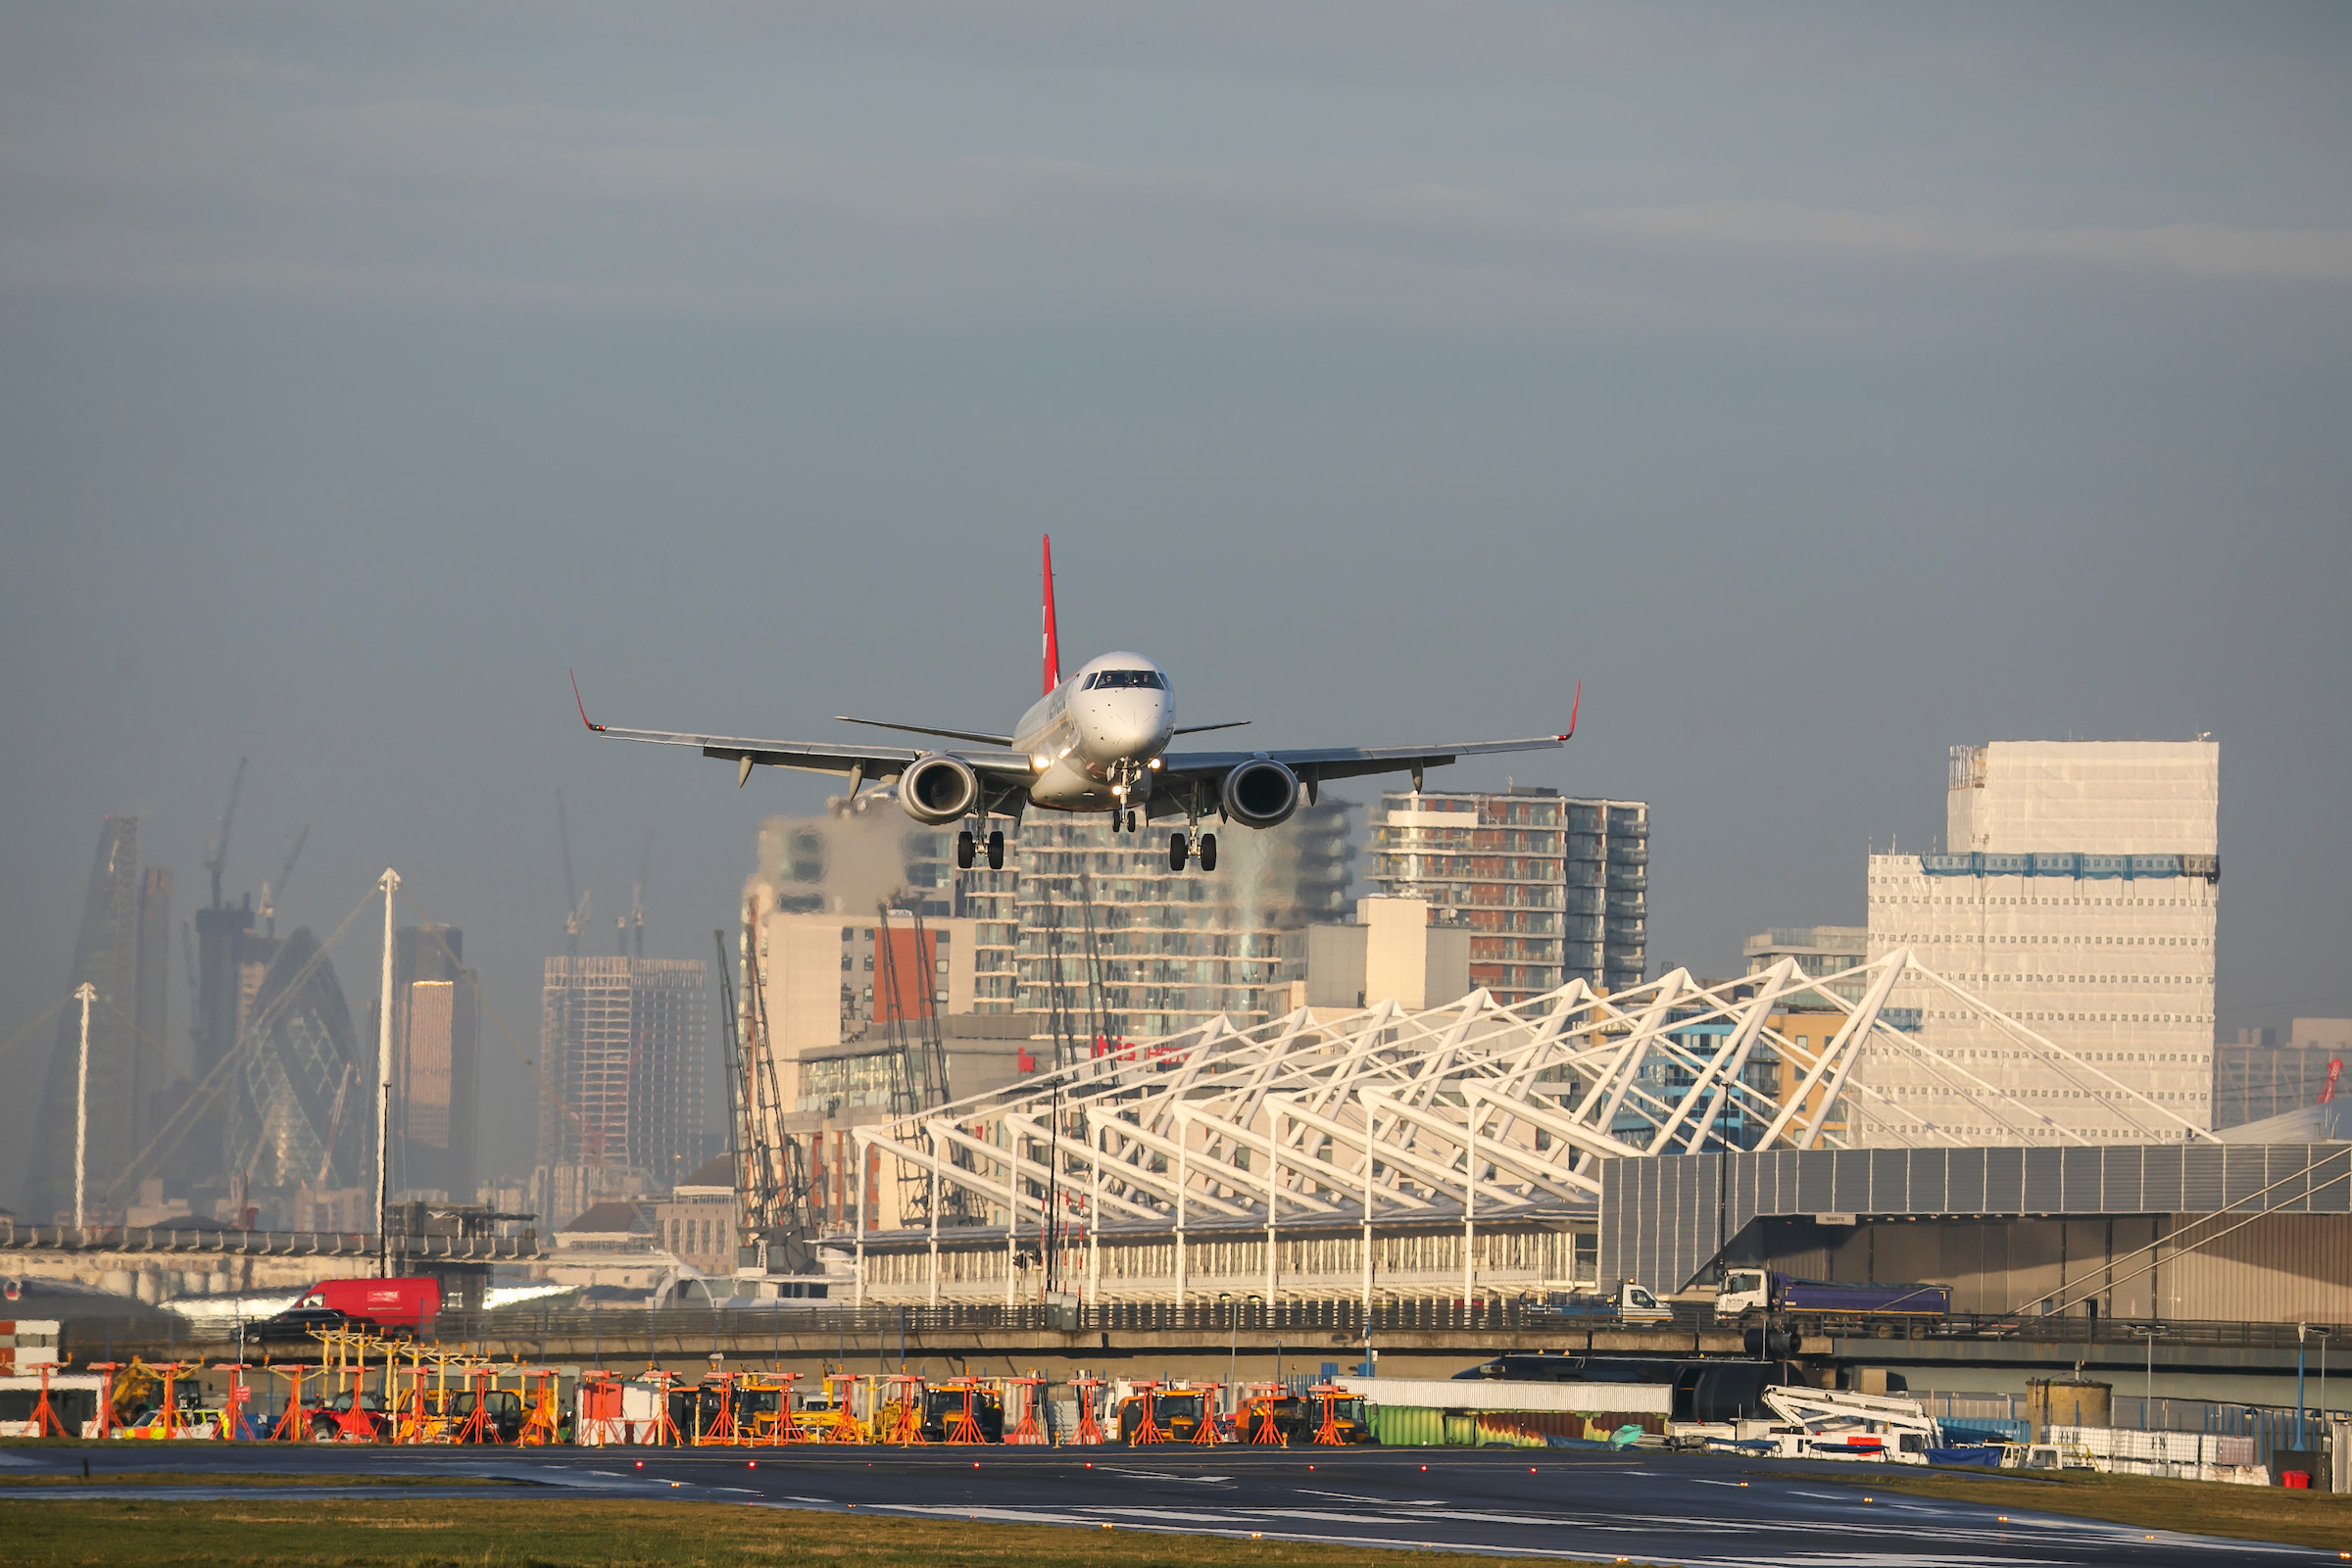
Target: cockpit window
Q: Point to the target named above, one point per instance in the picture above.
(1109, 679)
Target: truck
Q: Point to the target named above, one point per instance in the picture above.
(1763, 1290)
(1631, 1304)
(407, 1302)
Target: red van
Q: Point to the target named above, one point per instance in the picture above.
(396, 1303)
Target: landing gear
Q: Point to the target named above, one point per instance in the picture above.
(996, 852)
(963, 851)
(1180, 850)
(1209, 852)
(1131, 819)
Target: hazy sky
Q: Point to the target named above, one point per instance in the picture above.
(1820, 385)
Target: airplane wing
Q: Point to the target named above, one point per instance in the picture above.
(861, 763)
(1181, 772)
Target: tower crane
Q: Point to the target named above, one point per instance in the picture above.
(216, 853)
(268, 909)
(575, 903)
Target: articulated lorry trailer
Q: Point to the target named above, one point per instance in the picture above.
(1751, 1290)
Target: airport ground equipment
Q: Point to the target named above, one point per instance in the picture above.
(1089, 1398)
(1835, 1423)
(1029, 1394)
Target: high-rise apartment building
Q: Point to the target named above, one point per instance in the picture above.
(2077, 895)
(1113, 939)
(625, 1049)
(124, 953)
(1551, 889)
(1818, 950)
(435, 1061)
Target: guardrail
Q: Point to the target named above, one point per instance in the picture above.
(20, 1237)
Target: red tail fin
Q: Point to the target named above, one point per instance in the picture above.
(1051, 642)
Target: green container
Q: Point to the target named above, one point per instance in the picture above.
(1409, 1426)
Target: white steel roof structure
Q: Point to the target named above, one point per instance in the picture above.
(1467, 1113)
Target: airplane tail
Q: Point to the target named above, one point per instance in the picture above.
(1053, 645)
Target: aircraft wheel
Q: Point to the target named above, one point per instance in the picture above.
(996, 852)
(1130, 821)
(1209, 852)
(1179, 852)
(963, 851)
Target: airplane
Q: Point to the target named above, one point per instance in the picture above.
(1096, 742)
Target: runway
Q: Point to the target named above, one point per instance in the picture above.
(1701, 1511)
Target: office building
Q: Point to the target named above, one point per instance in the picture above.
(1113, 939)
(435, 1063)
(122, 952)
(626, 1054)
(2078, 895)
(1551, 889)
(301, 1108)
(1392, 953)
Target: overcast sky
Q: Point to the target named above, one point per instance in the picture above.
(1820, 385)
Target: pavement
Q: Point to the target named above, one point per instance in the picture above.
(1707, 1511)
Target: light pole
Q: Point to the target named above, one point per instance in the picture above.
(2302, 1331)
(2322, 1331)
(87, 993)
(1233, 1343)
(2148, 1332)
(390, 883)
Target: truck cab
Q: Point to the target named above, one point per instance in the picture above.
(1745, 1290)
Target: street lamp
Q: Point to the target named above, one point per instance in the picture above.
(2323, 1330)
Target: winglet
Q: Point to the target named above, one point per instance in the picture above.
(1574, 704)
(583, 707)
(1053, 643)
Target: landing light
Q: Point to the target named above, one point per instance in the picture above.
(1154, 763)
(1041, 761)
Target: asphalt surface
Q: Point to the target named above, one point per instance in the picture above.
(1716, 1511)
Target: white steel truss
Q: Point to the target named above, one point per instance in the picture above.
(1471, 1112)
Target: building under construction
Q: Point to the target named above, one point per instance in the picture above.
(625, 1051)
(122, 952)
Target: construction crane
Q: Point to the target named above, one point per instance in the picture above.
(216, 853)
(268, 909)
(645, 860)
(772, 1204)
(575, 903)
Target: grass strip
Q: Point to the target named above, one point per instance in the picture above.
(575, 1533)
(185, 1478)
(2192, 1508)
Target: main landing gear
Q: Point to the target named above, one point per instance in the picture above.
(1180, 850)
(967, 850)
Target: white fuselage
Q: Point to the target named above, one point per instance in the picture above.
(1093, 741)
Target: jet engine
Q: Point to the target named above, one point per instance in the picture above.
(1260, 793)
(939, 789)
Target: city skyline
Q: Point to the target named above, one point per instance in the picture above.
(1815, 393)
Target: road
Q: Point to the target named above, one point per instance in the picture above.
(1701, 1511)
